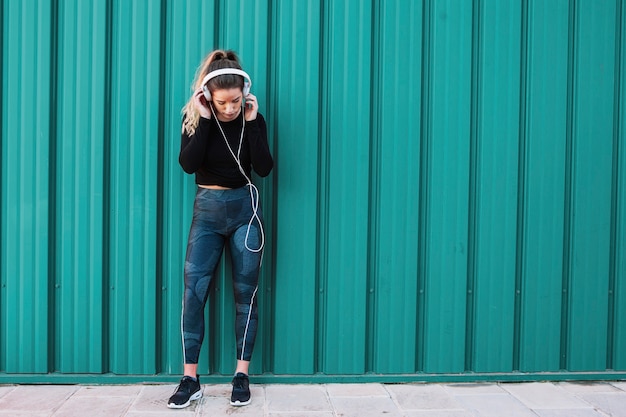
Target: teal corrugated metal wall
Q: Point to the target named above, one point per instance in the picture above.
(449, 195)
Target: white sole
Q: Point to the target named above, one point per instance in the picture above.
(195, 396)
(239, 403)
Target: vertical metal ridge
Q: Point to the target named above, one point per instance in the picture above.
(521, 186)
(268, 272)
(269, 312)
(615, 184)
(52, 180)
(619, 359)
(2, 192)
(567, 216)
(106, 191)
(160, 220)
(217, 23)
(374, 187)
(424, 180)
(322, 192)
(473, 188)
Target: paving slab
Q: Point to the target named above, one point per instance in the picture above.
(4, 413)
(438, 413)
(619, 385)
(224, 390)
(365, 407)
(165, 413)
(302, 414)
(296, 398)
(356, 390)
(473, 389)
(423, 397)
(584, 386)
(108, 391)
(216, 402)
(217, 406)
(96, 406)
(153, 398)
(588, 412)
(35, 400)
(5, 389)
(612, 404)
(494, 405)
(544, 395)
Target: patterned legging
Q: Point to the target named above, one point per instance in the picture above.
(221, 216)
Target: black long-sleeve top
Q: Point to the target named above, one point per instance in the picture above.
(205, 152)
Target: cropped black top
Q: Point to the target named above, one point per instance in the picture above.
(205, 152)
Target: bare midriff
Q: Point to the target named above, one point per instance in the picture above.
(213, 187)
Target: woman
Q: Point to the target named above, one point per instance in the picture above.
(223, 138)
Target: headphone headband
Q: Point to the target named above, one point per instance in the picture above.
(223, 71)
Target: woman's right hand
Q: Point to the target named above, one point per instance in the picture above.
(201, 104)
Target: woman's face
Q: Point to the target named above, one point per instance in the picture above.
(227, 103)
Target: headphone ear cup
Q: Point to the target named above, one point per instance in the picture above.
(206, 92)
(246, 88)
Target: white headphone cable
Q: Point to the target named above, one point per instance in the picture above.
(254, 191)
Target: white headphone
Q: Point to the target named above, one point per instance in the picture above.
(247, 81)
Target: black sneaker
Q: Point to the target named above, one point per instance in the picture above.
(241, 390)
(187, 391)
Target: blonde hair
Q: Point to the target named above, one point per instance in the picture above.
(214, 60)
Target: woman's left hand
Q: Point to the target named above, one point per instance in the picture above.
(251, 107)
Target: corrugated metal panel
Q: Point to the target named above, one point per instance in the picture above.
(78, 176)
(131, 185)
(294, 287)
(542, 186)
(394, 197)
(448, 196)
(493, 183)
(344, 187)
(444, 186)
(183, 51)
(26, 197)
(589, 196)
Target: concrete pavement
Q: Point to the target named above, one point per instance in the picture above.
(543, 399)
